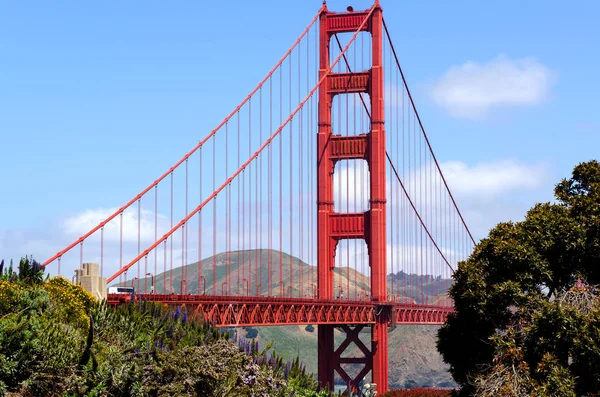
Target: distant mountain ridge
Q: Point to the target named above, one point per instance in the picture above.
(249, 275)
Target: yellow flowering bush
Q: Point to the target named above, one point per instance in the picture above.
(9, 296)
(73, 301)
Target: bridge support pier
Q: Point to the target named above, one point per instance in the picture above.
(332, 360)
(379, 348)
(325, 348)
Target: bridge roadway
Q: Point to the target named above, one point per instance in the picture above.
(233, 311)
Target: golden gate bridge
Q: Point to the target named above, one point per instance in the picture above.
(317, 200)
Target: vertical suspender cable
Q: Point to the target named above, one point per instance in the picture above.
(171, 240)
(239, 211)
(291, 181)
(165, 268)
(183, 280)
(184, 254)
(214, 158)
(249, 176)
(300, 181)
(201, 278)
(155, 230)
(260, 199)
(101, 252)
(407, 176)
(121, 245)
(227, 215)
(347, 197)
(354, 196)
(138, 237)
(245, 271)
(280, 185)
(391, 186)
(270, 194)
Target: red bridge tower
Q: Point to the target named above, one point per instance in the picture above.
(371, 225)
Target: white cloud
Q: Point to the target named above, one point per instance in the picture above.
(486, 193)
(472, 89)
(481, 181)
(349, 180)
(493, 179)
(82, 223)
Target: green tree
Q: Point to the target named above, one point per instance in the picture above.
(515, 318)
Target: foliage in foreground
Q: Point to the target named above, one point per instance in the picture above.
(527, 320)
(55, 339)
(418, 392)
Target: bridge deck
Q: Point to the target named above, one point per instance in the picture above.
(229, 311)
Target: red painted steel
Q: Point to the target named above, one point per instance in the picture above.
(371, 226)
(377, 242)
(349, 83)
(347, 226)
(348, 147)
(347, 22)
(352, 336)
(325, 244)
(230, 311)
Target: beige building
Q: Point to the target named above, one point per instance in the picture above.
(89, 278)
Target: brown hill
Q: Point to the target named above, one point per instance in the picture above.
(244, 265)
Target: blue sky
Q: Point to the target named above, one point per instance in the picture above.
(97, 100)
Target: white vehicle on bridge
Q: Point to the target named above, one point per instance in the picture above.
(120, 290)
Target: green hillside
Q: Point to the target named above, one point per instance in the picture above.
(414, 360)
